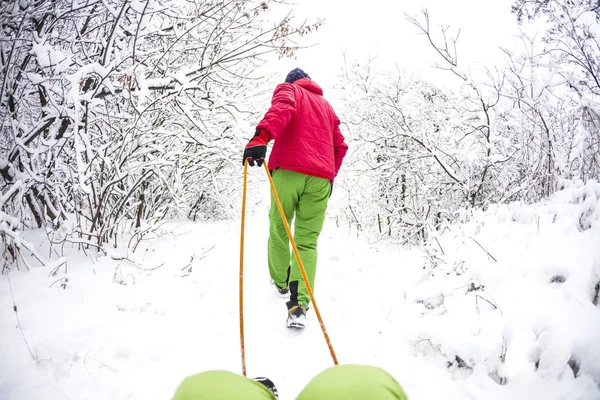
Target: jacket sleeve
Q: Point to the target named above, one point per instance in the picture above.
(282, 110)
(339, 146)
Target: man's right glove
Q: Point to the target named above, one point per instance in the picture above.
(256, 149)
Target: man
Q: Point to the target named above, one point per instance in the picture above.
(307, 154)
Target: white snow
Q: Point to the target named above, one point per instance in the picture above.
(48, 57)
(137, 6)
(468, 318)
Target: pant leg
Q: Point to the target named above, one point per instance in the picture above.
(353, 382)
(289, 186)
(219, 385)
(310, 216)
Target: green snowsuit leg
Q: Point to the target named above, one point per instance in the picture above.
(221, 385)
(353, 382)
(305, 197)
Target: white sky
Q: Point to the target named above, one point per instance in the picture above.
(379, 28)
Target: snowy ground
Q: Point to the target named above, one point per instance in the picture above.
(449, 322)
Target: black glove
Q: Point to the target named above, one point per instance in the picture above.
(256, 149)
(257, 153)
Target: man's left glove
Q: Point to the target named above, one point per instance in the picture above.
(256, 149)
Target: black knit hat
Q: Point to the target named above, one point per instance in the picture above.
(296, 74)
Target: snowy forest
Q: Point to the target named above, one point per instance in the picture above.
(120, 117)
(117, 116)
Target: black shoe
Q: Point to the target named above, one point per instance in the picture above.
(296, 317)
(283, 291)
(269, 385)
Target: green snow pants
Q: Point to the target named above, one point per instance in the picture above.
(304, 197)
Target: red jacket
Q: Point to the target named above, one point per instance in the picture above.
(305, 129)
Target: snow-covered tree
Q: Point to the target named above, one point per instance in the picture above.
(407, 168)
(122, 113)
(571, 52)
(430, 151)
(510, 133)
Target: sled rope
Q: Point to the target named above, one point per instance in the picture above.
(300, 265)
(242, 344)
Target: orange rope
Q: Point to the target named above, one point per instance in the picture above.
(243, 348)
(302, 270)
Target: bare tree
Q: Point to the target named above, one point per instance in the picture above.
(478, 105)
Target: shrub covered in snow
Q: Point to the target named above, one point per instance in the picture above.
(513, 294)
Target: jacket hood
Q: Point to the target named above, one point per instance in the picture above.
(309, 84)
